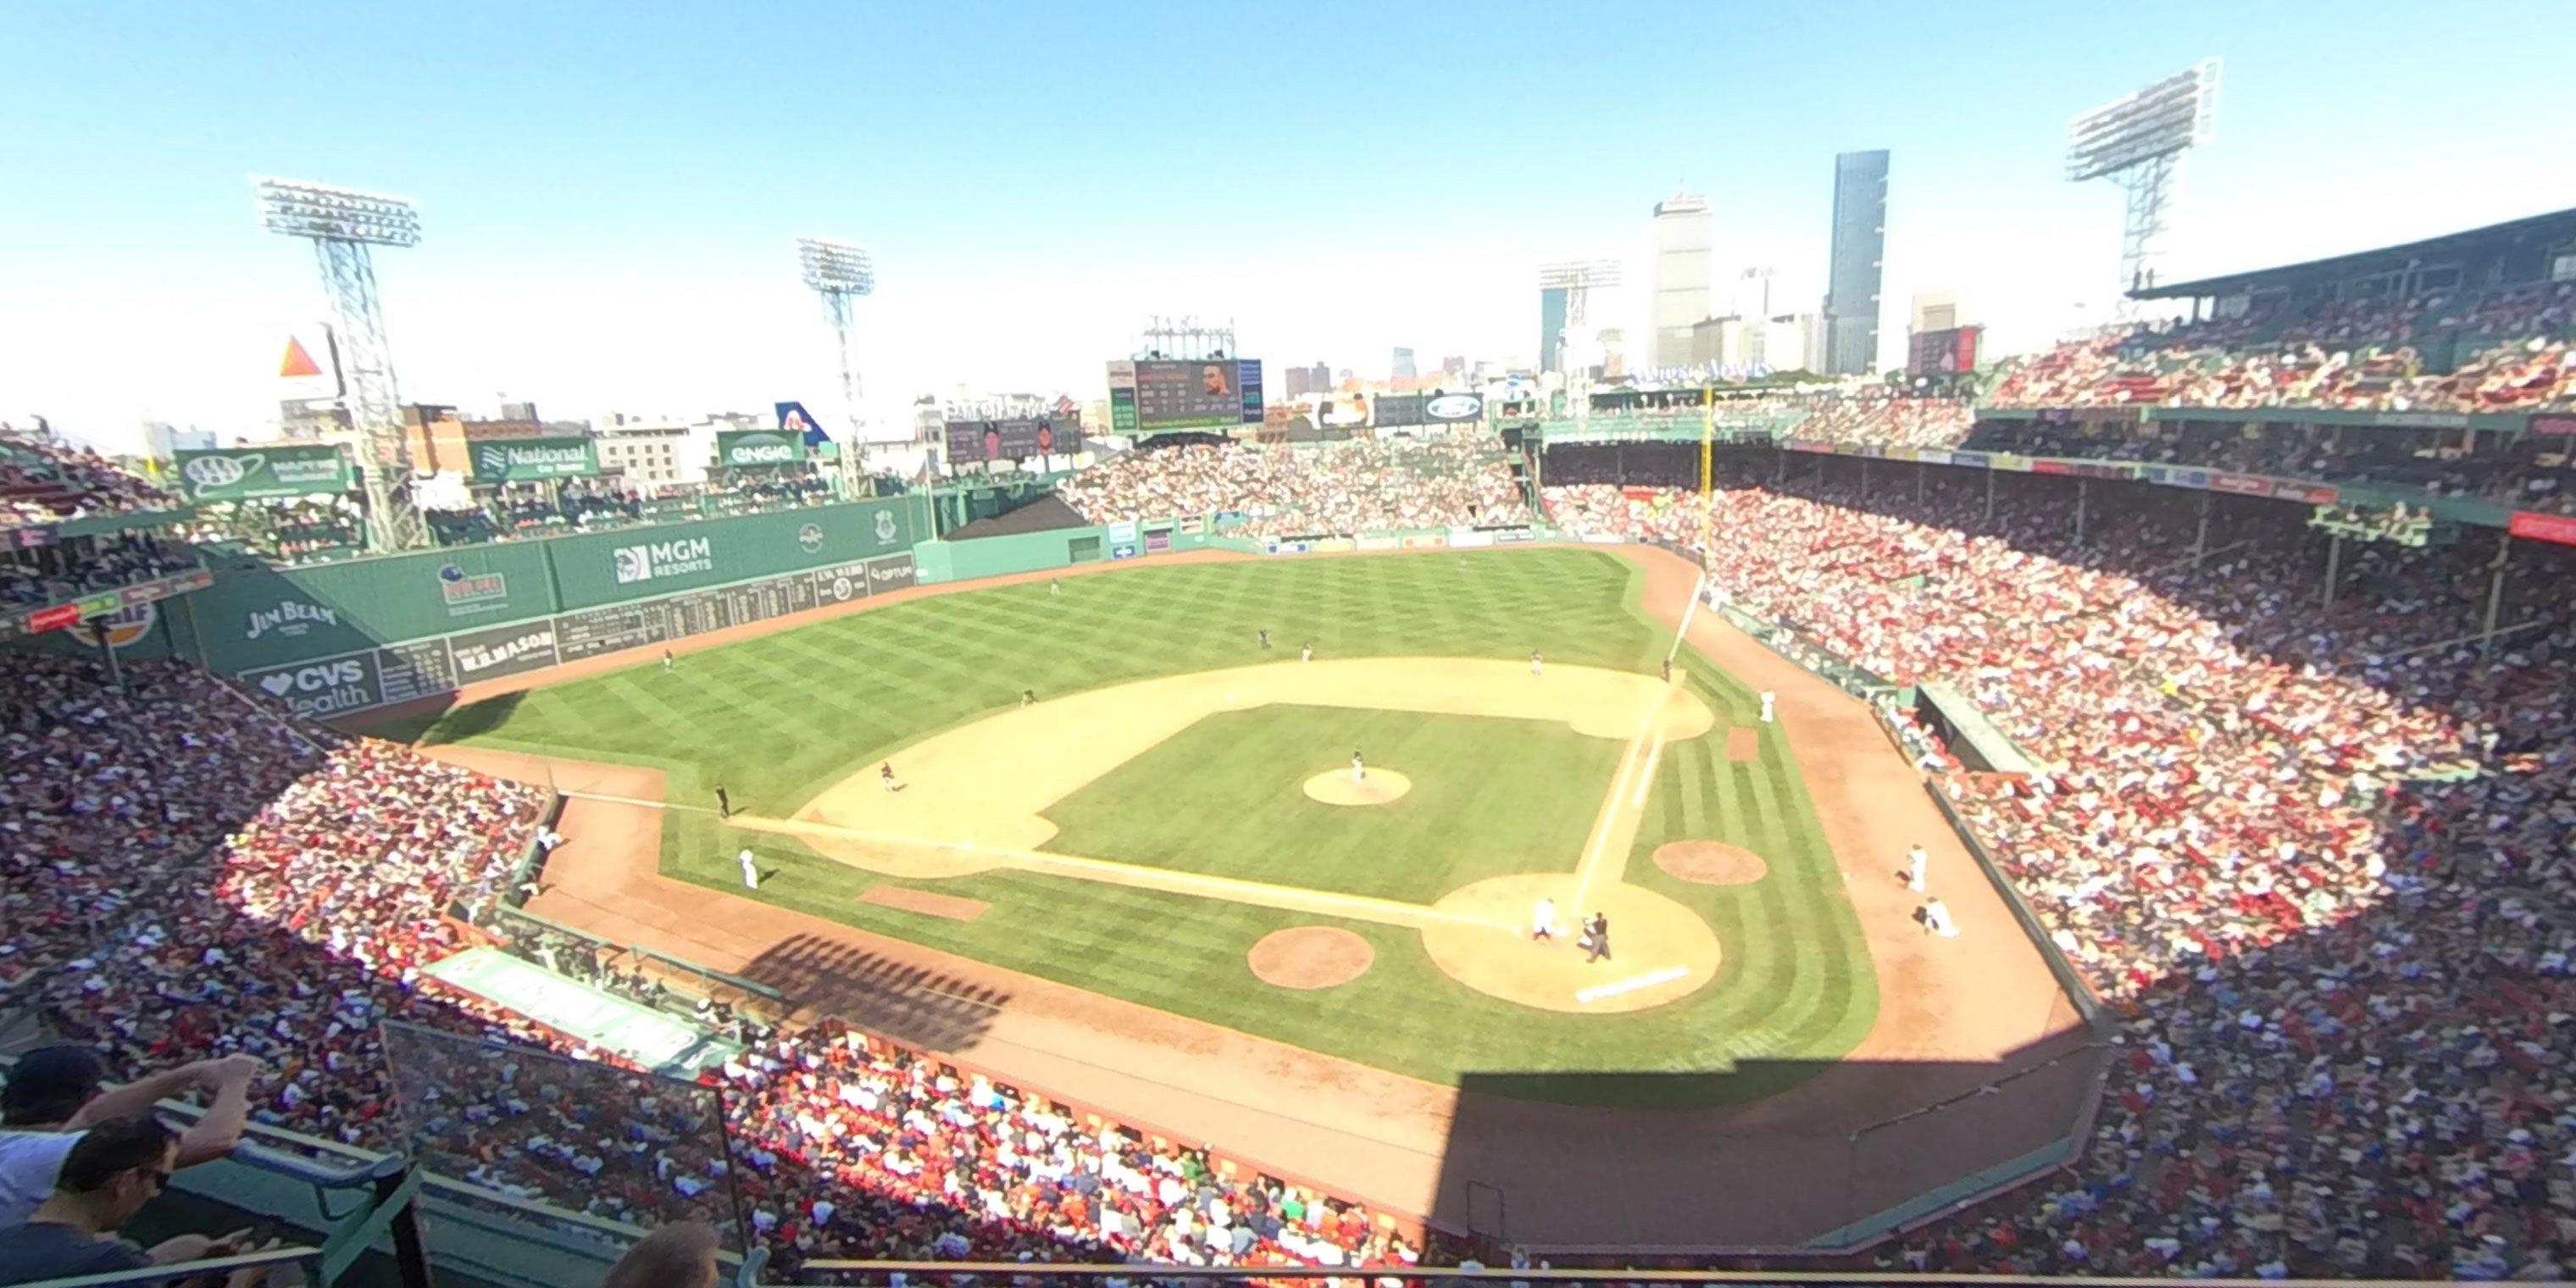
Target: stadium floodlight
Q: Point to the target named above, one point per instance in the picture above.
(342, 223)
(2138, 143)
(839, 272)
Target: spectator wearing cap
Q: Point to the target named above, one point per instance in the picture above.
(111, 1171)
(57, 1093)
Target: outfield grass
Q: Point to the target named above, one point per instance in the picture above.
(778, 718)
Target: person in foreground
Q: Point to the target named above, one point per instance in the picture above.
(114, 1169)
(679, 1255)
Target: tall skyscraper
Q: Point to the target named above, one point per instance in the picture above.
(1860, 246)
(1321, 382)
(1402, 367)
(1551, 327)
(1454, 365)
(1681, 276)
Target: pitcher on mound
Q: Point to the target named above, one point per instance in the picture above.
(1359, 768)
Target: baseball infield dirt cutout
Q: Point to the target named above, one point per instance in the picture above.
(1339, 788)
(973, 794)
(1310, 957)
(1711, 863)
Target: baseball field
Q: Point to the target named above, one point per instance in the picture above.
(1176, 821)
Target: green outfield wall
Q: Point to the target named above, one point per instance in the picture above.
(330, 639)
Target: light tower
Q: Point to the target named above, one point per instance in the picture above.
(1577, 279)
(342, 224)
(2138, 144)
(838, 273)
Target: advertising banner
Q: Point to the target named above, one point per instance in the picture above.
(324, 687)
(2241, 484)
(523, 460)
(502, 650)
(2557, 528)
(2554, 426)
(597, 569)
(1444, 409)
(300, 469)
(753, 449)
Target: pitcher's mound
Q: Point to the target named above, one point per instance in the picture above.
(1711, 863)
(1311, 956)
(1336, 788)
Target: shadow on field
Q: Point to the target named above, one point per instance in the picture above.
(905, 1002)
(1836, 1153)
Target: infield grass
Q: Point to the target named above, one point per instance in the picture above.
(778, 718)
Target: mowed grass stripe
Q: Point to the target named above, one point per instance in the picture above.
(780, 717)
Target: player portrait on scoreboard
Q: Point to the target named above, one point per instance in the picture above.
(1214, 382)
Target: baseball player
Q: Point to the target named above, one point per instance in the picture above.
(1543, 921)
(1537, 663)
(1028, 697)
(1265, 641)
(1596, 937)
(1668, 670)
(724, 803)
(1306, 652)
(750, 870)
(1768, 698)
(666, 661)
(1936, 919)
(885, 775)
(1054, 587)
(1359, 768)
(1915, 862)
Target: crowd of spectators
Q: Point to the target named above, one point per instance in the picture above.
(1888, 420)
(2365, 354)
(2316, 860)
(67, 570)
(284, 531)
(44, 479)
(2526, 472)
(1438, 479)
(194, 873)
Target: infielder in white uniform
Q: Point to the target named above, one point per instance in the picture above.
(1936, 919)
(1536, 663)
(1359, 768)
(1768, 698)
(750, 870)
(1305, 652)
(1915, 861)
(1543, 921)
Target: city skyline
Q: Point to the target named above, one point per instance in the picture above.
(611, 223)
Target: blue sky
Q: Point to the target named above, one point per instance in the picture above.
(610, 192)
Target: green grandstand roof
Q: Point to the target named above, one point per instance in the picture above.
(2551, 229)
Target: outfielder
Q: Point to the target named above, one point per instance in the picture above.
(1265, 641)
(750, 870)
(1768, 698)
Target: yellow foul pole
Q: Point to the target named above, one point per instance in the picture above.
(1707, 447)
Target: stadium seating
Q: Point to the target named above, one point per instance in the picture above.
(45, 480)
(2511, 347)
(1431, 481)
(2342, 966)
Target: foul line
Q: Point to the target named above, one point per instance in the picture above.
(1608, 822)
(1388, 912)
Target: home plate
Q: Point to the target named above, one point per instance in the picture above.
(1599, 991)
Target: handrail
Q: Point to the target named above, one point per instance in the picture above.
(709, 972)
(183, 1270)
(1024, 1271)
